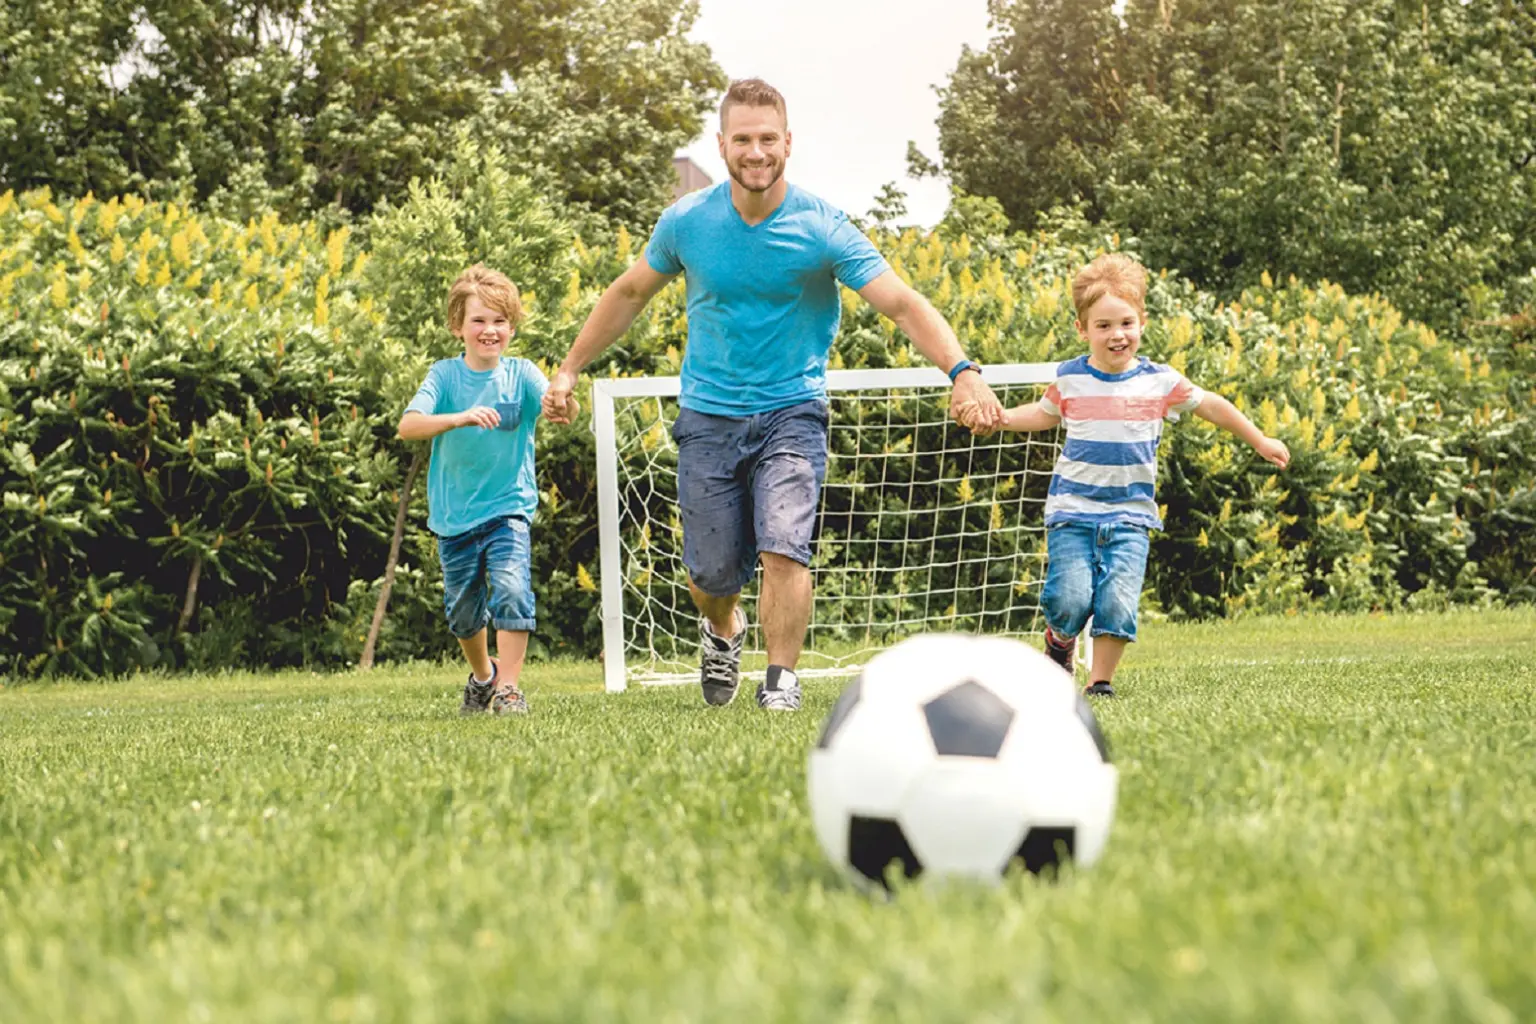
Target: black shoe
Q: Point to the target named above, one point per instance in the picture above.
(1061, 654)
(1100, 689)
(477, 696)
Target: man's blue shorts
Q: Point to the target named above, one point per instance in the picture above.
(488, 577)
(748, 485)
(1094, 570)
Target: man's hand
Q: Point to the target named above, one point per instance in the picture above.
(1272, 449)
(559, 405)
(974, 406)
(479, 416)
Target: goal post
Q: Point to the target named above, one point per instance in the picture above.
(922, 526)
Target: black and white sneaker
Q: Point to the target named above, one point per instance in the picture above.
(780, 691)
(477, 696)
(720, 661)
(1102, 688)
(1062, 652)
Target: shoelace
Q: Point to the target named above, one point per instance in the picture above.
(719, 666)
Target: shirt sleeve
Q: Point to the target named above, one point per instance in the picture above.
(534, 386)
(855, 260)
(1183, 398)
(661, 250)
(1051, 400)
(429, 394)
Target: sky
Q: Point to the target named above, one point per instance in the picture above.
(857, 77)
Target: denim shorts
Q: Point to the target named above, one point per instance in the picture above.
(1094, 570)
(748, 485)
(488, 577)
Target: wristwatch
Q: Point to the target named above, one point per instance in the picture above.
(960, 367)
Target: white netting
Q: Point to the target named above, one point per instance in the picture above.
(922, 527)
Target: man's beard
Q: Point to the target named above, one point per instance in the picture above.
(776, 168)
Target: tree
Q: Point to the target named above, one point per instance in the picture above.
(1386, 146)
(332, 105)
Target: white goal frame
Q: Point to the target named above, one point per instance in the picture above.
(611, 579)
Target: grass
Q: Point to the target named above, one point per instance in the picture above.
(1320, 819)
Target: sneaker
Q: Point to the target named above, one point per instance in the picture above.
(1100, 689)
(780, 691)
(1062, 652)
(720, 662)
(508, 700)
(477, 696)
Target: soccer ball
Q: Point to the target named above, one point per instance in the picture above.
(958, 756)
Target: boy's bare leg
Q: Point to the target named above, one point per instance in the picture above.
(785, 608)
(476, 654)
(1107, 651)
(720, 611)
(511, 649)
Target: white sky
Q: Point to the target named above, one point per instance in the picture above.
(857, 76)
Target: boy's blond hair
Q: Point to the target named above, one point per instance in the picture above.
(752, 92)
(491, 287)
(1113, 273)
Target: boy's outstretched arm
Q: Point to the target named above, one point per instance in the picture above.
(607, 322)
(1228, 417)
(1021, 418)
(421, 426)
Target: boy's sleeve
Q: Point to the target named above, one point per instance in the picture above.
(534, 386)
(1184, 397)
(1051, 400)
(854, 258)
(429, 394)
(661, 250)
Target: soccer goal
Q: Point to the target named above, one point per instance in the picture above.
(922, 526)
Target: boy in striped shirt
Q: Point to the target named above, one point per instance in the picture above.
(1102, 499)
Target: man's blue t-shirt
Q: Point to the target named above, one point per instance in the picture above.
(477, 475)
(763, 301)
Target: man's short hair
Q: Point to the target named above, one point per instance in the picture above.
(491, 287)
(1113, 273)
(752, 92)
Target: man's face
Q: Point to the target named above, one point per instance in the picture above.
(754, 143)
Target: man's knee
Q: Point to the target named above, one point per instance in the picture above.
(783, 566)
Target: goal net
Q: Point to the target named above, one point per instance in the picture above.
(922, 526)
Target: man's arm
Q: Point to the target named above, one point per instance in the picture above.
(933, 337)
(609, 319)
(1229, 417)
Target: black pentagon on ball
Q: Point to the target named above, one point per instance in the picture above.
(1091, 723)
(840, 712)
(1045, 849)
(875, 843)
(968, 720)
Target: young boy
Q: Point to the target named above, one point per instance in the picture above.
(479, 409)
(1102, 501)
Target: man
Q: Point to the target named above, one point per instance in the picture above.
(762, 261)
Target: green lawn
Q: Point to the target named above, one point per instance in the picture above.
(1320, 819)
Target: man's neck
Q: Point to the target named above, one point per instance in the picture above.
(756, 207)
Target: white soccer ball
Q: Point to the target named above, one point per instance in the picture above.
(960, 756)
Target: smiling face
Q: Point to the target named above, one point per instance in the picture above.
(485, 333)
(754, 143)
(1112, 329)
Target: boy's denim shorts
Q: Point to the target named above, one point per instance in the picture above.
(488, 577)
(1094, 570)
(748, 485)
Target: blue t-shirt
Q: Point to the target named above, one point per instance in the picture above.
(763, 302)
(477, 475)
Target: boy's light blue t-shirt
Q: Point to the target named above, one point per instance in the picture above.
(477, 475)
(763, 301)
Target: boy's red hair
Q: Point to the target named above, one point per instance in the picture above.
(1113, 273)
(491, 287)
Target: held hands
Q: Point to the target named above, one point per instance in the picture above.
(560, 406)
(1272, 449)
(974, 406)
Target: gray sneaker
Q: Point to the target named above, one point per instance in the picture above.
(508, 700)
(780, 691)
(477, 696)
(720, 661)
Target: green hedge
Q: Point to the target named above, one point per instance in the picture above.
(199, 468)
